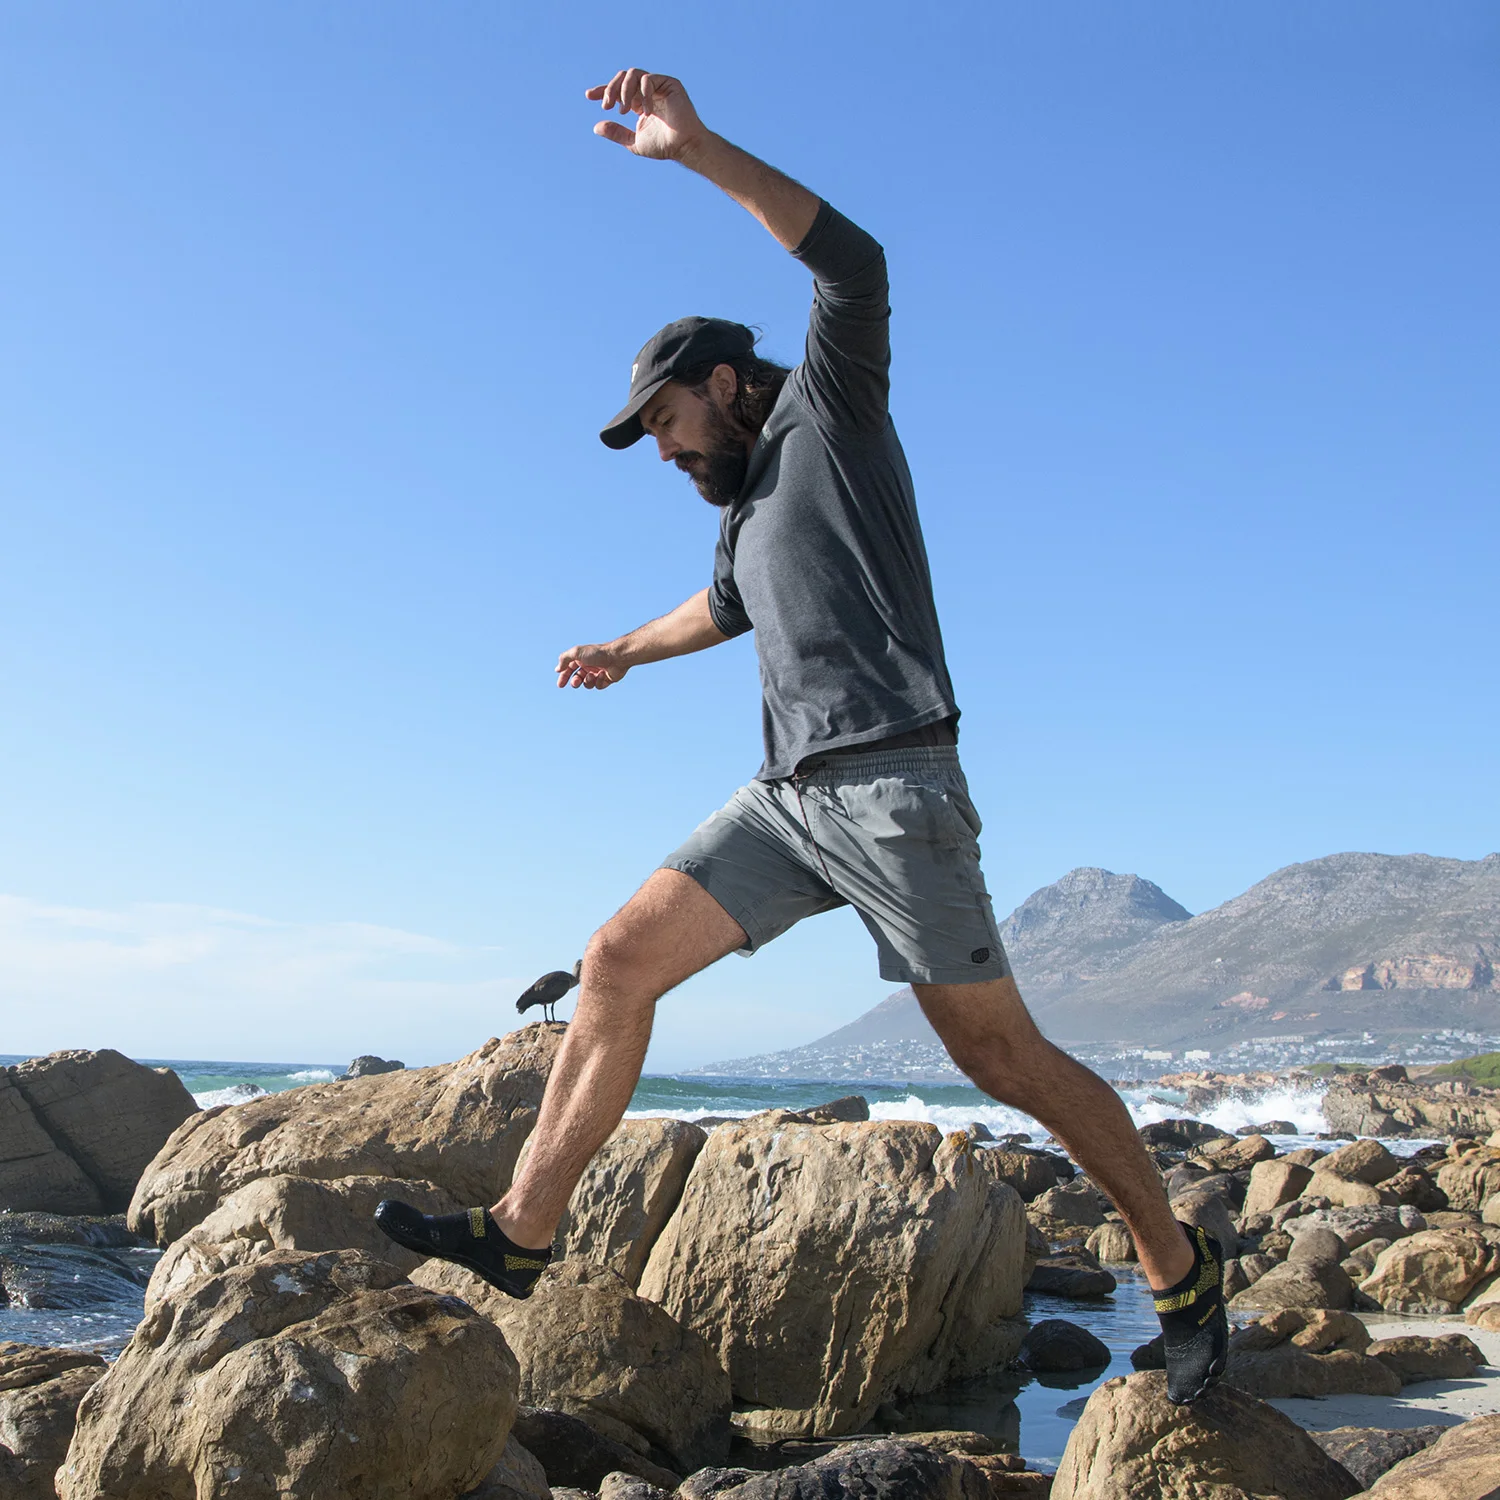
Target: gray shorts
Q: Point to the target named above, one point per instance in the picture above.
(891, 833)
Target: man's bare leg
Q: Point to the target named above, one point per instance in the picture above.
(990, 1035)
(668, 931)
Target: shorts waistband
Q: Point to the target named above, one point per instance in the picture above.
(851, 766)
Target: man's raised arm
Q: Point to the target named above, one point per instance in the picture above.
(688, 628)
(669, 130)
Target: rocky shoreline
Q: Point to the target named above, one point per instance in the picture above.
(743, 1309)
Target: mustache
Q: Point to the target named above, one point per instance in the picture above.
(683, 460)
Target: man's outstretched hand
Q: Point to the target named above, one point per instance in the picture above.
(668, 126)
(589, 667)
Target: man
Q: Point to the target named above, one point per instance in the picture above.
(861, 799)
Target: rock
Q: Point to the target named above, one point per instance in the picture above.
(460, 1126)
(888, 1468)
(1394, 1109)
(1367, 1452)
(367, 1065)
(1317, 1245)
(1309, 1354)
(1112, 1244)
(1472, 1180)
(1235, 1280)
(66, 1278)
(1485, 1317)
(1340, 1191)
(40, 1390)
(318, 1375)
(1180, 1135)
(1305, 1156)
(1461, 1465)
(1270, 1127)
(1132, 1442)
(628, 1192)
(589, 1346)
(1357, 1226)
(1056, 1344)
(1067, 1212)
(1254, 1266)
(1363, 1161)
(1430, 1272)
(1030, 1173)
(830, 1267)
(576, 1455)
(979, 1132)
(1491, 1214)
(1273, 1183)
(518, 1476)
(1301, 1285)
(1414, 1358)
(1073, 1273)
(708, 1482)
(1236, 1155)
(618, 1486)
(293, 1213)
(848, 1110)
(1212, 1213)
(34, 1172)
(1414, 1185)
(1276, 1245)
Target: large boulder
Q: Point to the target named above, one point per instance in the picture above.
(293, 1213)
(1132, 1442)
(1030, 1173)
(1297, 1284)
(1413, 1357)
(832, 1266)
(518, 1476)
(1361, 1161)
(298, 1377)
(1342, 1192)
(1071, 1273)
(1068, 1212)
(575, 1455)
(1357, 1226)
(1231, 1155)
(1055, 1344)
(1455, 1108)
(588, 1345)
(39, 1394)
(106, 1113)
(1273, 1183)
(35, 1173)
(1464, 1464)
(627, 1193)
(460, 1126)
(1472, 1180)
(1209, 1211)
(1367, 1452)
(1112, 1244)
(1310, 1354)
(1430, 1272)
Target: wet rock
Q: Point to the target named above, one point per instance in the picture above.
(1429, 1272)
(1180, 1134)
(1072, 1273)
(1270, 1127)
(628, 1192)
(618, 1486)
(518, 1476)
(1413, 1358)
(709, 1482)
(831, 1266)
(1461, 1465)
(888, 1468)
(65, 1278)
(1367, 1452)
(1056, 1344)
(294, 1213)
(459, 1126)
(1067, 1212)
(587, 1345)
(106, 1114)
(40, 1390)
(1273, 1183)
(848, 1110)
(1301, 1285)
(574, 1454)
(367, 1065)
(96, 1231)
(1112, 1244)
(318, 1374)
(1132, 1442)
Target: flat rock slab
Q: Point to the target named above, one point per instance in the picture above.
(1367, 1452)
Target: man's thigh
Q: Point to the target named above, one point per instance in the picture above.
(667, 932)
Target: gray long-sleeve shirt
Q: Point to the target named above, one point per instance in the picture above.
(821, 554)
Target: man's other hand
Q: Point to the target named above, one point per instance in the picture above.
(589, 667)
(668, 126)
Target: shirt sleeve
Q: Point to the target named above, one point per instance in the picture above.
(845, 377)
(725, 606)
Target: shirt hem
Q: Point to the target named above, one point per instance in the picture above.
(781, 770)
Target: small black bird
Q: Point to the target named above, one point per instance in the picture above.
(549, 989)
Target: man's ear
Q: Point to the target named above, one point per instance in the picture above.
(724, 382)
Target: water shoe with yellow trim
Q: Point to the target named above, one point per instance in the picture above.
(471, 1239)
(1194, 1325)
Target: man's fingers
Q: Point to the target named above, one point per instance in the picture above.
(597, 92)
(612, 130)
(630, 90)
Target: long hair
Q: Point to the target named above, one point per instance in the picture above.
(759, 384)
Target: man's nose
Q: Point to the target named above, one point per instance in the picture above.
(667, 449)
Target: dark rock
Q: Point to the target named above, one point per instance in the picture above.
(1271, 1127)
(1367, 1452)
(1056, 1344)
(1030, 1173)
(572, 1453)
(366, 1065)
(708, 1482)
(67, 1277)
(1179, 1135)
(100, 1231)
(884, 1469)
(1151, 1355)
(849, 1110)
(979, 1131)
(1073, 1273)
(618, 1486)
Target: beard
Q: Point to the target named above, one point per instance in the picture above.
(721, 466)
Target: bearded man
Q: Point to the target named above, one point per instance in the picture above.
(861, 800)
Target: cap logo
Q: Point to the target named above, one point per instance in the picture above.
(636, 366)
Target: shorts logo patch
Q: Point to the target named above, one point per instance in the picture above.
(980, 955)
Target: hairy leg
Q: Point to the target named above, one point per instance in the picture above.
(669, 930)
(990, 1035)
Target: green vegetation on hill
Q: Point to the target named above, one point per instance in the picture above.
(1485, 1069)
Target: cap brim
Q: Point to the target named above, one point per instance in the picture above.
(626, 428)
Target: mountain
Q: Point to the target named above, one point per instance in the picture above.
(1400, 944)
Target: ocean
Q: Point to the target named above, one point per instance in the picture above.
(1027, 1414)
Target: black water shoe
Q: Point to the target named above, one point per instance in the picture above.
(471, 1239)
(1194, 1325)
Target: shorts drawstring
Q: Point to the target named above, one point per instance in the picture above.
(797, 781)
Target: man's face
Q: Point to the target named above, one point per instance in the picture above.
(693, 430)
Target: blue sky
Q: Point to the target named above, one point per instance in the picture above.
(311, 315)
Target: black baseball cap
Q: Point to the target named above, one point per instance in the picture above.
(687, 344)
